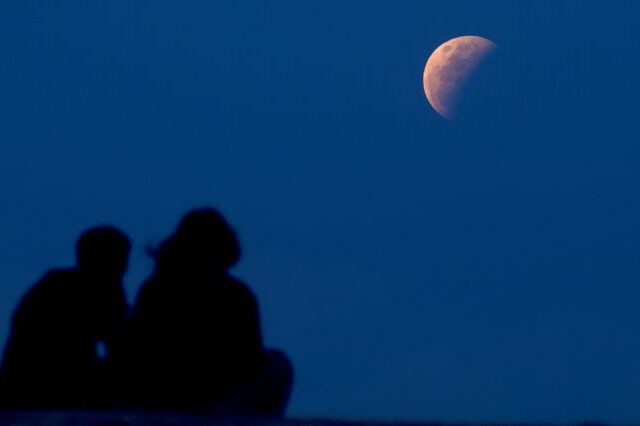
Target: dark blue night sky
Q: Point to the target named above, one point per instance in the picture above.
(486, 268)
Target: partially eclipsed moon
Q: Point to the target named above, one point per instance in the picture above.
(449, 67)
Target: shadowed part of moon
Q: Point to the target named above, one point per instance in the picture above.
(448, 69)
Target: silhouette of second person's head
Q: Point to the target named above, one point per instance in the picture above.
(103, 251)
(203, 244)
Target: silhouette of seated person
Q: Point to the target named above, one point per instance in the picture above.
(195, 337)
(64, 328)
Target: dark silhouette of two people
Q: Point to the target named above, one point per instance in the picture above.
(192, 341)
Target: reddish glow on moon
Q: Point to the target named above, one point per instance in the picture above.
(449, 67)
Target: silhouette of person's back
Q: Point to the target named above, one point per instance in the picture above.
(52, 357)
(195, 331)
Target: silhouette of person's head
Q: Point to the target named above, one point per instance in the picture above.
(103, 251)
(203, 243)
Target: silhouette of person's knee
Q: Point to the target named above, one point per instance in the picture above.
(266, 394)
(203, 244)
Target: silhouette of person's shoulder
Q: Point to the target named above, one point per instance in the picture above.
(154, 290)
(55, 280)
(236, 293)
(51, 292)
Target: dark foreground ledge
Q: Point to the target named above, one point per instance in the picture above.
(116, 418)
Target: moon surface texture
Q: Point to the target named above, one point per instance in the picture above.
(449, 68)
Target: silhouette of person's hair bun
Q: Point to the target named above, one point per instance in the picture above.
(203, 240)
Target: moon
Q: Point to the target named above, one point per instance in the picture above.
(449, 68)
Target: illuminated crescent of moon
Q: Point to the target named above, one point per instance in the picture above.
(448, 69)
